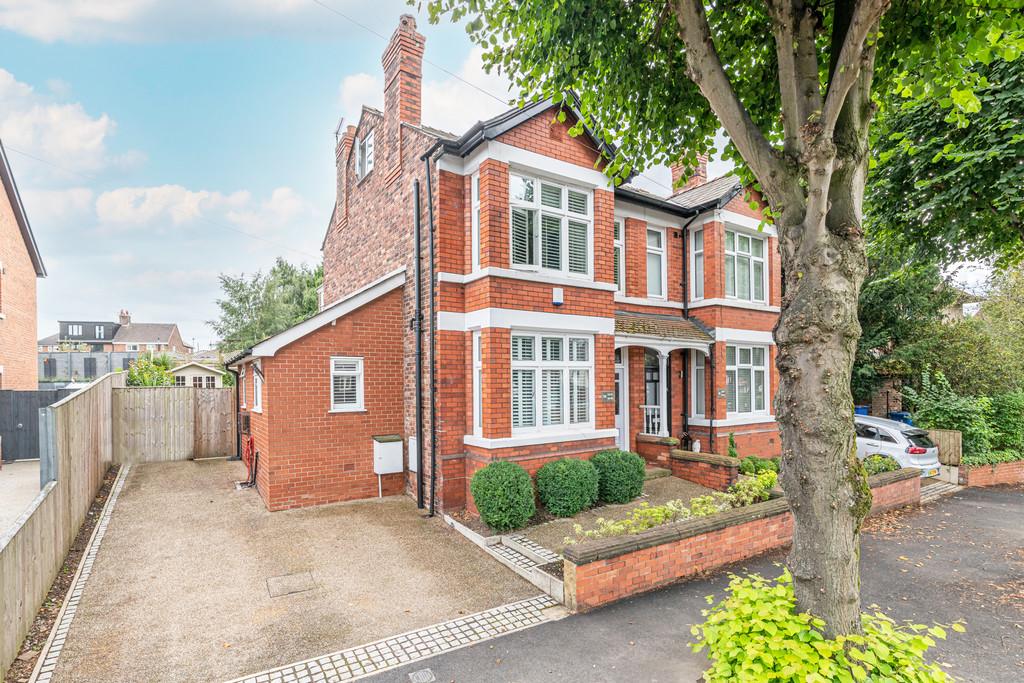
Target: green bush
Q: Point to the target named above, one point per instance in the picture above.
(755, 465)
(1008, 421)
(148, 372)
(937, 406)
(992, 458)
(503, 494)
(755, 634)
(620, 475)
(878, 463)
(567, 486)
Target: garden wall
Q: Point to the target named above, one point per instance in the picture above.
(717, 472)
(655, 449)
(605, 570)
(993, 475)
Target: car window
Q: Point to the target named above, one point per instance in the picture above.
(885, 437)
(921, 440)
(866, 431)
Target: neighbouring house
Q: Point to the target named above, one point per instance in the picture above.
(198, 375)
(20, 265)
(86, 349)
(560, 315)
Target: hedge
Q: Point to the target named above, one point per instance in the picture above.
(567, 486)
(620, 475)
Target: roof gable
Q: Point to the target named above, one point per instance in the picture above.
(11, 188)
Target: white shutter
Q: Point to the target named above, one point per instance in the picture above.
(522, 237)
(551, 195)
(346, 383)
(578, 350)
(550, 241)
(344, 390)
(522, 348)
(578, 247)
(551, 397)
(579, 396)
(523, 398)
(578, 202)
(551, 348)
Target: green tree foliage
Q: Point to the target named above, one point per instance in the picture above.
(938, 406)
(258, 306)
(951, 192)
(149, 372)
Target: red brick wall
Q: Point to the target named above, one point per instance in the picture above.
(718, 476)
(993, 475)
(895, 495)
(18, 306)
(308, 455)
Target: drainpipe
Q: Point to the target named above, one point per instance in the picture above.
(433, 343)
(714, 400)
(417, 325)
(685, 374)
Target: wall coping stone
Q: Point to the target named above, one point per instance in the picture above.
(662, 440)
(608, 548)
(709, 458)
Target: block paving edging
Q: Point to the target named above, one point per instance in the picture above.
(50, 654)
(389, 653)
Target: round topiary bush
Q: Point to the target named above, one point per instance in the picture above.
(567, 486)
(620, 475)
(503, 494)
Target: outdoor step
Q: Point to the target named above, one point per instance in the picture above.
(933, 492)
(652, 472)
(530, 549)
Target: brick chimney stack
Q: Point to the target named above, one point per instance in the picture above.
(699, 177)
(403, 72)
(341, 155)
(124, 318)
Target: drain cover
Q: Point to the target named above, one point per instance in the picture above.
(422, 676)
(290, 583)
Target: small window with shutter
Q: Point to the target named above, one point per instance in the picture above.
(346, 384)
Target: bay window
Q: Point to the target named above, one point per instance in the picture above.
(655, 263)
(746, 379)
(478, 377)
(552, 381)
(745, 266)
(551, 226)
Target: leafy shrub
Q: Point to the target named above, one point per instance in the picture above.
(567, 486)
(878, 463)
(620, 475)
(646, 516)
(1008, 421)
(503, 494)
(144, 372)
(733, 451)
(755, 634)
(755, 465)
(937, 406)
(991, 458)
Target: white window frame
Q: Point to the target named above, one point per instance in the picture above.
(131, 347)
(619, 252)
(99, 331)
(698, 394)
(257, 392)
(697, 282)
(179, 380)
(365, 155)
(358, 373)
(474, 200)
(563, 214)
(735, 254)
(74, 330)
(732, 394)
(566, 365)
(661, 252)
(241, 385)
(478, 378)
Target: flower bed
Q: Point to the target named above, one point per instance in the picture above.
(604, 570)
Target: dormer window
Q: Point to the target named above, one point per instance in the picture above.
(99, 331)
(364, 156)
(74, 330)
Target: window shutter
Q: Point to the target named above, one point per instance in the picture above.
(343, 389)
(578, 202)
(578, 351)
(616, 266)
(522, 234)
(551, 348)
(522, 348)
(579, 396)
(522, 398)
(551, 391)
(551, 195)
(550, 241)
(577, 247)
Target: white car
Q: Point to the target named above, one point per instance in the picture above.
(908, 445)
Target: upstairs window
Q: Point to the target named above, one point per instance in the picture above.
(364, 155)
(745, 266)
(698, 264)
(656, 263)
(74, 330)
(618, 258)
(346, 384)
(475, 218)
(99, 331)
(551, 226)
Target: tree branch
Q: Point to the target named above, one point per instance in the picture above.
(705, 69)
(846, 69)
(781, 13)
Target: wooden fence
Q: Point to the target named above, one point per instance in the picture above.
(158, 424)
(950, 445)
(76, 450)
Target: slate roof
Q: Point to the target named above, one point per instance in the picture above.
(710, 195)
(49, 341)
(144, 332)
(662, 326)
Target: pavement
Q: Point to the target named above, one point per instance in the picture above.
(196, 581)
(959, 558)
(19, 485)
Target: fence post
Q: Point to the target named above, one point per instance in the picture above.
(47, 447)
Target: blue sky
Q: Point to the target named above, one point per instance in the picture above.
(158, 144)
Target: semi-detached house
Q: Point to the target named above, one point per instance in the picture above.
(558, 315)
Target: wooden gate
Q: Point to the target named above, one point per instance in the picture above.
(950, 443)
(155, 424)
(19, 420)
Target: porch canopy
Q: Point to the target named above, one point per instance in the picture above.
(662, 334)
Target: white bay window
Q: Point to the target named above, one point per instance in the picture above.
(552, 382)
(551, 226)
(746, 379)
(656, 263)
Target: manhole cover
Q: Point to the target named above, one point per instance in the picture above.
(422, 676)
(290, 583)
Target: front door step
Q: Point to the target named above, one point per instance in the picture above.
(651, 472)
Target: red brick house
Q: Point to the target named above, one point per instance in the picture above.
(559, 315)
(20, 265)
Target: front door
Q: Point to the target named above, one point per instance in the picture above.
(621, 408)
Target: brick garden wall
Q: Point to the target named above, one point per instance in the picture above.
(712, 471)
(992, 475)
(605, 570)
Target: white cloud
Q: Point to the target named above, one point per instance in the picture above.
(283, 208)
(157, 20)
(452, 103)
(143, 207)
(52, 207)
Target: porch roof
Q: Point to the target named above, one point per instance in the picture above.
(652, 329)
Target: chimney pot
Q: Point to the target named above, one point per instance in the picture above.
(123, 317)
